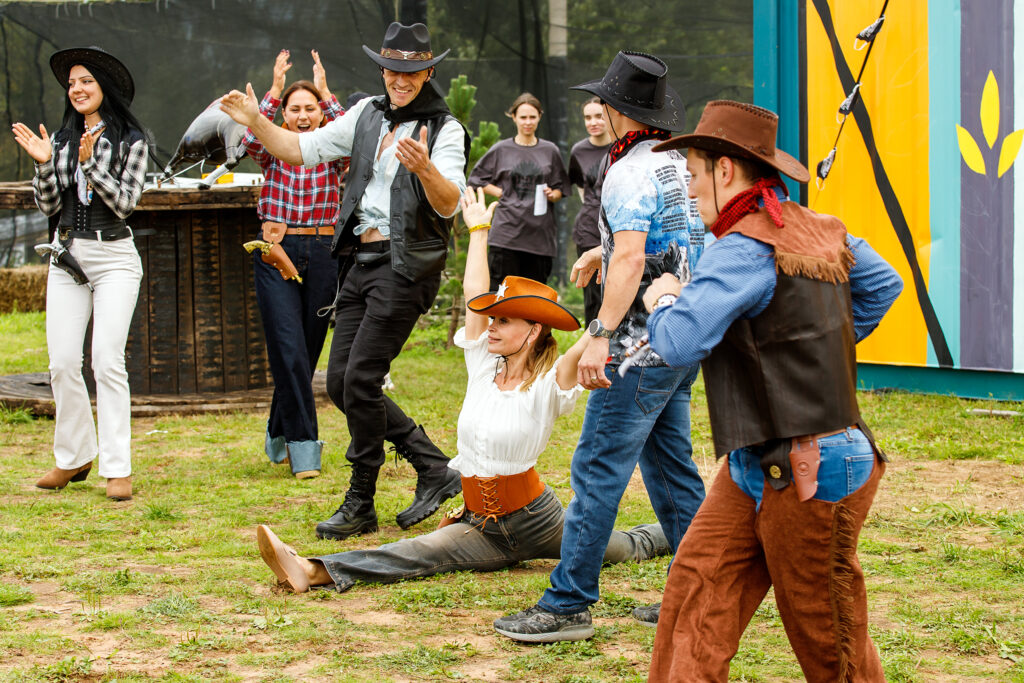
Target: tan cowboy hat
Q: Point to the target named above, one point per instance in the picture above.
(737, 128)
(521, 297)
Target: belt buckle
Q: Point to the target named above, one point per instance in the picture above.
(64, 234)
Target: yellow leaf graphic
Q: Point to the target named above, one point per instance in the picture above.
(970, 151)
(990, 110)
(1008, 152)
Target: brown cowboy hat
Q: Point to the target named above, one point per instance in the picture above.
(521, 297)
(743, 130)
(405, 49)
(91, 58)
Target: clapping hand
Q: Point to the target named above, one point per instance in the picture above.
(242, 107)
(320, 77)
(37, 146)
(281, 66)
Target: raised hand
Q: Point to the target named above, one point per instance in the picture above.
(36, 146)
(474, 209)
(242, 107)
(320, 77)
(281, 66)
(414, 154)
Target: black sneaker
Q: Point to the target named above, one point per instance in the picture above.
(537, 625)
(647, 614)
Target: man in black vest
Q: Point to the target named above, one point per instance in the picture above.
(403, 188)
(774, 310)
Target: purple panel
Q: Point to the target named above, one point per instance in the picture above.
(986, 205)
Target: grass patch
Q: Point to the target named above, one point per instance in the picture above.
(174, 584)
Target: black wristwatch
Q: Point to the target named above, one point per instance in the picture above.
(596, 328)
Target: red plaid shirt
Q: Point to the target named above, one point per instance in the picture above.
(296, 195)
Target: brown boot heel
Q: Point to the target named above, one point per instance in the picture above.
(57, 478)
(119, 488)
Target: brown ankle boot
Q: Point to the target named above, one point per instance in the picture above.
(58, 478)
(119, 488)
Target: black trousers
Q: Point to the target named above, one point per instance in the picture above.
(376, 311)
(591, 293)
(502, 262)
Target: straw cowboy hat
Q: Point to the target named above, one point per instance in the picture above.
(743, 130)
(521, 297)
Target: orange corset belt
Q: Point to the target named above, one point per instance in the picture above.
(501, 495)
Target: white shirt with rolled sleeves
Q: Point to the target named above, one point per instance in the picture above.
(335, 140)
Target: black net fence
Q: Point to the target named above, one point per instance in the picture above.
(185, 53)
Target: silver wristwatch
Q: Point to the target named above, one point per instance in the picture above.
(597, 329)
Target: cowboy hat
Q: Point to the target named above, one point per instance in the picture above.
(405, 49)
(521, 297)
(743, 130)
(636, 85)
(93, 57)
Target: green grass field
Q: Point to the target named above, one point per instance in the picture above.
(170, 586)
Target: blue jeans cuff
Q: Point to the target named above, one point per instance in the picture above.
(547, 606)
(275, 448)
(305, 455)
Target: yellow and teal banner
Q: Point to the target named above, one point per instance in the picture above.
(925, 169)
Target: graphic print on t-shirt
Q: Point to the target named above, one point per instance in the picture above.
(525, 177)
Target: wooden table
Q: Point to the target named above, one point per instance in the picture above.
(196, 328)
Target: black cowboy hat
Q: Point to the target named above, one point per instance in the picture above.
(405, 49)
(93, 57)
(636, 86)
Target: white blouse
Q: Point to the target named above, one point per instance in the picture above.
(504, 432)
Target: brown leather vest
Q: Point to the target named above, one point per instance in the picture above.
(792, 369)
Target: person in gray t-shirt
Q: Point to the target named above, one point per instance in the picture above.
(528, 175)
(587, 166)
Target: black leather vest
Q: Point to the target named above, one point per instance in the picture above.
(419, 237)
(790, 371)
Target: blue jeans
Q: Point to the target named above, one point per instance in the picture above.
(645, 417)
(295, 336)
(846, 463)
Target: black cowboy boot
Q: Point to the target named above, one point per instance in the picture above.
(357, 514)
(435, 481)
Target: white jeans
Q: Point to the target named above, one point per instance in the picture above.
(115, 271)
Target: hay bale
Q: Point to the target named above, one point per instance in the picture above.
(23, 289)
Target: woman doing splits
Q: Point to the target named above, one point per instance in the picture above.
(298, 207)
(90, 173)
(517, 387)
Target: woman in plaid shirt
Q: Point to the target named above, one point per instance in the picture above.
(298, 207)
(89, 177)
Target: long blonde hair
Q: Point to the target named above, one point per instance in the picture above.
(545, 353)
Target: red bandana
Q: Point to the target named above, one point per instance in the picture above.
(626, 142)
(747, 202)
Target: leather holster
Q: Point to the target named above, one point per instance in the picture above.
(273, 233)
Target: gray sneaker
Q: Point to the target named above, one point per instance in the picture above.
(537, 625)
(647, 614)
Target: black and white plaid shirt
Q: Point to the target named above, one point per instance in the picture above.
(121, 193)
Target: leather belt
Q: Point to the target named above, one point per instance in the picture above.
(372, 253)
(498, 496)
(315, 230)
(107, 235)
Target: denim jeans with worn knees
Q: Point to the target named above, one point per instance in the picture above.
(534, 532)
(645, 417)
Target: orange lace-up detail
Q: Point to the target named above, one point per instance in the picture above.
(494, 497)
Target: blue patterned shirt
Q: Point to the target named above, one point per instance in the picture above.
(647, 191)
(736, 279)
